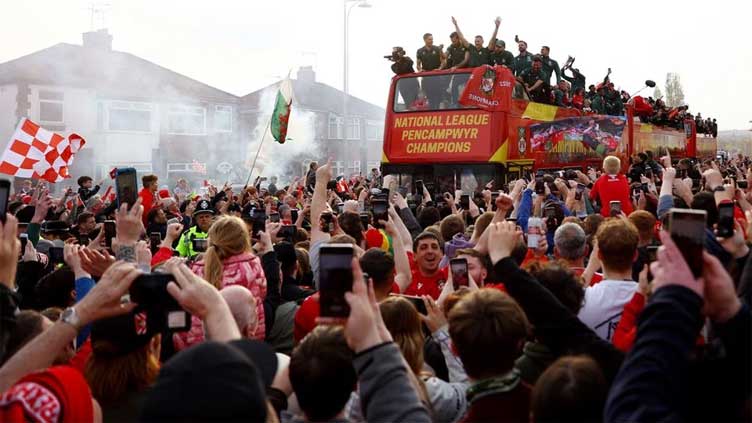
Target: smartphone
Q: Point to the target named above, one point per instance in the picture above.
(365, 220)
(109, 232)
(287, 232)
(458, 266)
(155, 239)
(578, 192)
(56, 255)
(335, 279)
(327, 222)
(332, 185)
(494, 196)
(24, 238)
(340, 208)
(550, 215)
(419, 188)
(173, 220)
(725, 227)
(540, 187)
(274, 217)
(294, 215)
(615, 208)
(380, 210)
(465, 201)
(126, 186)
(200, 244)
(652, 253)
(149, 291)
(742, 184)
(687, 228)
(636, 192)
(259, 222)
(4, 194)
(416, 301)
(83, 240)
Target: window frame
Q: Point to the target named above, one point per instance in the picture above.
(141, 106)
(60, 101)
(353, 122)
(217, 111)
(378, 126)
(339, 129)
(171, 111)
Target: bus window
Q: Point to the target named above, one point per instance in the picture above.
(431, 92)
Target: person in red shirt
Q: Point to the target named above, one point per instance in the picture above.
(148, 195)
(612, 186)
(427, 277)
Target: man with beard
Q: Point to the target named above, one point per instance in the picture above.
(500, 55)
(524, 61)
(427, 278)
(535, 81)
(479, 55)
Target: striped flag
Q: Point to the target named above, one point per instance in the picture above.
(281, 114)
(34, 152)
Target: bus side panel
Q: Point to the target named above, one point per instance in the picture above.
(658, 139)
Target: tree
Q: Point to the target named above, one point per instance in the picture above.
(657, 93)
(674, 91)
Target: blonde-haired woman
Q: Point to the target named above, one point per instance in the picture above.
(447, 400)
(229, 261)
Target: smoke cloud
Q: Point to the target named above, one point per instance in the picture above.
(288, 159)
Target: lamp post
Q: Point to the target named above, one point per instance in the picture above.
(348, 6)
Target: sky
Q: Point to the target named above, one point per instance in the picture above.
(241, 46)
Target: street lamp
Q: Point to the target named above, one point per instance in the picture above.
(348, 6)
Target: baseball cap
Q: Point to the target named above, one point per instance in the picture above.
(211, 381)
(501, 43)
(122, 334)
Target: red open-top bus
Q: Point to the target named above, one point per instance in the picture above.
(428, 136)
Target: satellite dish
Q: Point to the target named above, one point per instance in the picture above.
(650, 83)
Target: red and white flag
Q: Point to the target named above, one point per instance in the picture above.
(34, 152)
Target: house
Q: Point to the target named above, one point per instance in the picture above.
(131, 112)
(354, 141)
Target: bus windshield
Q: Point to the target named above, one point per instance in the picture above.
(435, 92)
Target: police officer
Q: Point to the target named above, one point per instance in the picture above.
(550, 65)
(535, 81)
(500, 55)
(524, 60)
(202, 216)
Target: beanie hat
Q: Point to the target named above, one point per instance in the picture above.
(58, 394)
(377, 238)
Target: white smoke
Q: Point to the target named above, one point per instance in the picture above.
(288, 159)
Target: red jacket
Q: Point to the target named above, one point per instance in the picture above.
(612, 188)
(147, 200)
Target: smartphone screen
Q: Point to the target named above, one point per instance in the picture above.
(365, 220)
(380, 210)
(274, 217)
(155, 238)
(652, 253)
(742, 184)
(550, 215)
(578, 192)
(465, 201)
(109, 232)
(419, 187)
(259, 222)
(4, 193)
(725, 228)
(149, 291)
(416, 301)
(287, 232)
(340, 208)
(327, 222)
(540, 187)
(687, 228)
(294, 215)
(460, 277)
(83, 240)
(335, 278)
(56, 254)
(126, 186)
(615, 208)
(24, 238)
(200, 244)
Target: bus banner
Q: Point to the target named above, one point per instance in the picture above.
(459, 135)
(578, 138)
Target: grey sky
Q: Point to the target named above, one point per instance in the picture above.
(240, 46)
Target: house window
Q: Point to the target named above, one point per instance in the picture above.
(339, 168)
(51, 106)
(354, 167)
(352, 129)
(128, 116)
(374, 130)
(185, 120)
(223, 118)
(335, 127)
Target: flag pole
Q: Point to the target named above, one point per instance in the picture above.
(261, 144)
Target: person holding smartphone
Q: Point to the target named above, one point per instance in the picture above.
(612, 186)
(202, 218)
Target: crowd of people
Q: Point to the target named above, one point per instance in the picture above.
(571, 300)
(534, 72)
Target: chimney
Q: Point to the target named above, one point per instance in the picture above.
(306, 75)
(98, 40)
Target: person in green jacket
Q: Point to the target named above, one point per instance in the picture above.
(203, 217)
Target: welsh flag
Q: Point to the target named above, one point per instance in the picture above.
(281, 115)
